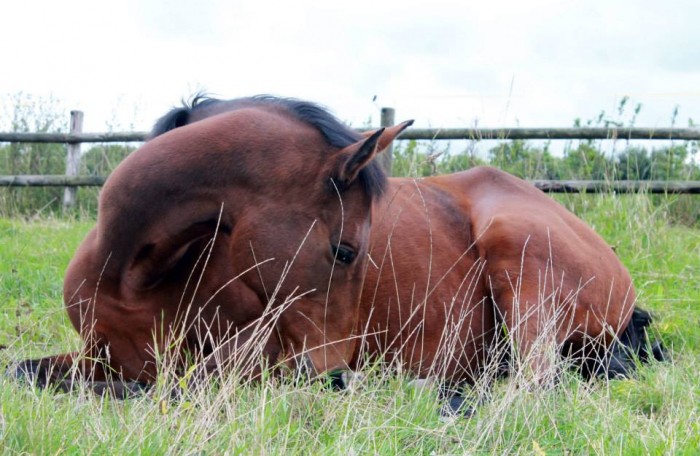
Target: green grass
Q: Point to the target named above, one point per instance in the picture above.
(656, 413)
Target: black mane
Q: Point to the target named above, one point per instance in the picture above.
(180, 116)
(336, 133)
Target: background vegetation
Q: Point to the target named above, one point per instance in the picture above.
(27, 114)
(658, 412)
(588, 160)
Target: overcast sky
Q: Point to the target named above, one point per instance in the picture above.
(444, 63)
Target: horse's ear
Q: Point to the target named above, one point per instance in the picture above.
(353, 158)
(390, 133)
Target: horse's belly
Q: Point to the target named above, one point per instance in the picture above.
(424, 304)
(447, 334)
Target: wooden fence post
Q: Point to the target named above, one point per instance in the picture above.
(387, 120)
(73, 158)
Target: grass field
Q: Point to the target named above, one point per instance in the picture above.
(656, 413)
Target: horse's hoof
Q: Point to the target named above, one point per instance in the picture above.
(336, 382)
(456, 407)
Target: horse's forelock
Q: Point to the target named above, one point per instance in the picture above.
(176, 117)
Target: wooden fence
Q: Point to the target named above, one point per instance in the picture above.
(76, 137)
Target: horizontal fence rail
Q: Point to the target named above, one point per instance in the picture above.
(478, 134)
(481, 134)
(547, 186)
(74, 138)
(598, 186)
(45, 180)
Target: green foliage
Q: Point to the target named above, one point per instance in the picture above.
(27, 114)
(669, 163)
(102, 159)
(421, 159)
(580, 160)
(585, 161)
(522, 159)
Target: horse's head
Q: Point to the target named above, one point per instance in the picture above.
(250, 226)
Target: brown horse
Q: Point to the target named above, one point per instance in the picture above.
(266, 222)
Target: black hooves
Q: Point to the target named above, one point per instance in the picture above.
(456, 407)
(336, 382)
(659, 351)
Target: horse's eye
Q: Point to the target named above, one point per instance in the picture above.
(343, 253)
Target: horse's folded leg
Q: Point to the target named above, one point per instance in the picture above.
(535, 352)
(52, 372)
(532, 334)
(63, 373)
(634, 346)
